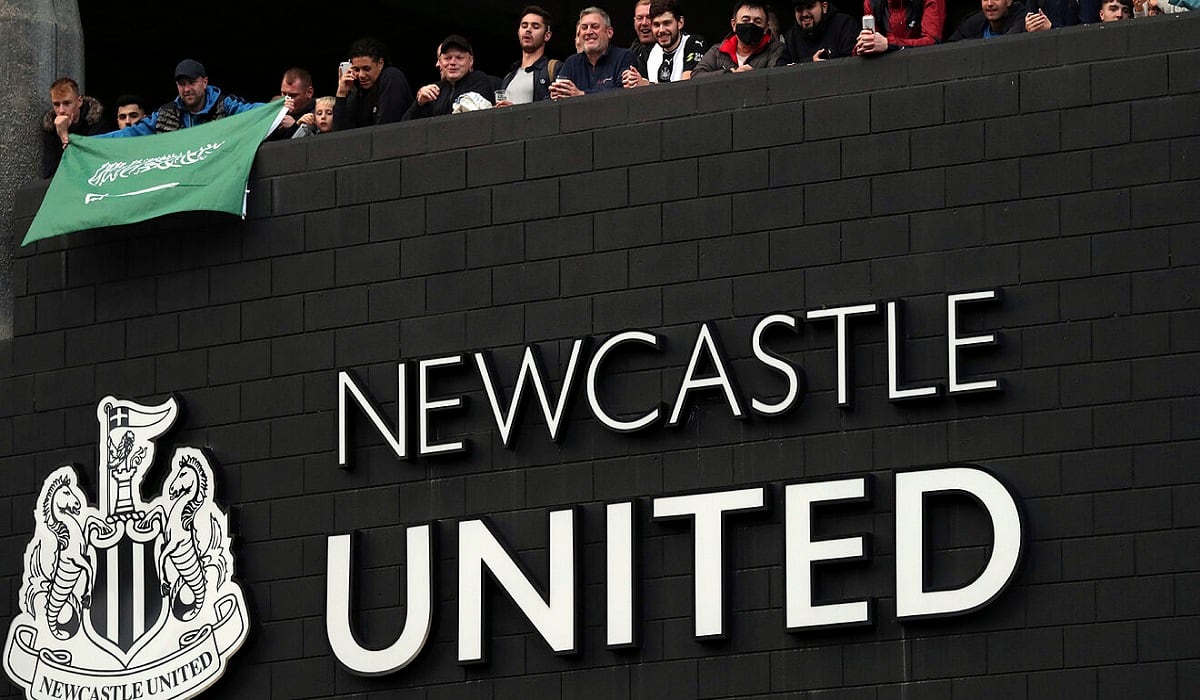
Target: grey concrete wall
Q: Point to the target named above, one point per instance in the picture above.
(1060, 168)
(40, 41)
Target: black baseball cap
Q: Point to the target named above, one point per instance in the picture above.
(455, 41)
(190, 69)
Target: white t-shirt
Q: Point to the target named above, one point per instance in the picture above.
(520, 90)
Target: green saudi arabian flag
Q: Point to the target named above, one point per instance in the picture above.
(113, 181)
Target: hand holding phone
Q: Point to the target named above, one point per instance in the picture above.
(868, 23)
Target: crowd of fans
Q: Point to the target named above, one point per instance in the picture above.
(372, 90)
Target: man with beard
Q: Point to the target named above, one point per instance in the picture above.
(372, 91)
(530, 78)
(749, 46)
(821, 33)
(996, 18)
(456, 64)
(674, 55)
(198, 103)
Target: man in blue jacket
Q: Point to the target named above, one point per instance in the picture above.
(599, 66)
(198, 103)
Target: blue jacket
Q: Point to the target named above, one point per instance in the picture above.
(605, 75)
(212, 96)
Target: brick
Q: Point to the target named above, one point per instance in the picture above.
(1101, 125)
(806, 162)
(763, 127)
(1056, 88)
(558, 155)
(909, 191)
(982, 98)
(879, 153)
(1162, 291)
(1093, 212)
(376, 262)
(666, 101)
(1165, 117)
(947, 145)
(492, 165)
(215, 325)
(663, 264)
(553, 238)
(1129, 252)
(1022, 136)
(698, 218)
(727, 257)
(1056, 173)
(1024, 650)
(664, 182)
(605, 189)
(292, 194)
(1147, 680)
(368, 182)
(271, 317)
(1098, 557)
(464, 130)
(733, 172)
(1150, 70)
(1122, 166)
(835, 201)
(399, 219)
(934, 64)
(746, 91)
(597, 111)
(302, 353)
(588, 274)
(496, 245)
(528, 282)
(706, 134)
(626, 145)
(458, 210)
(767, 209)
(393, 300)
(432, 254)
(639, 308)
(801, 247)
(991, 181)
(436, 172)
(906, 108)
(792, 84)
(302, 273)
(1182, 70)
(837, 116)
(524, 121)
(628, 228)
(1124, 337)
(1021, 220)
(524, 201)
(699, 301)
(558, 318)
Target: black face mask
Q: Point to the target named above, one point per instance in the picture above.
(749, 33)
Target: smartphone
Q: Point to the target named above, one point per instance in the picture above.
(343, 67)
(869, 22)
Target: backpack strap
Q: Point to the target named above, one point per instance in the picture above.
(552, 68)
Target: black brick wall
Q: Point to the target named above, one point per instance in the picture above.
(1061, 168)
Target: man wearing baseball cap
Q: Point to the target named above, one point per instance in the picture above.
(456, 64)
(197, 103)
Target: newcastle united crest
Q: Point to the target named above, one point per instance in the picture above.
(132, 598)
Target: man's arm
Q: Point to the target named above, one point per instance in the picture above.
(395, 96)
(709, 65)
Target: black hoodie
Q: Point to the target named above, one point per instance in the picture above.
(836, 31)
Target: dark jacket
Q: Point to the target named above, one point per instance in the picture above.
(386, 102)
(282, 133)
(475, 81)
(541, 76)
(972, 27)
(1067, 13)
(722, 57)
(90, 123)
(605, 75)
(837, 32)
